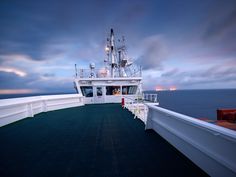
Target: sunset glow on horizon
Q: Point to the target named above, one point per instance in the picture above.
(162, 88)
(17, 91)
(172, 88)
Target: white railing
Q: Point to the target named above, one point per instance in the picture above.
(152, 97)
(137, 107)
(15, 109)
(211, 147)
(96, 73)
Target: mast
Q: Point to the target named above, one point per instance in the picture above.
(117, 58)
(76, 73)
(113, 53)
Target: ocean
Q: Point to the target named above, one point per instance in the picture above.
(197, 103)
(194, 103)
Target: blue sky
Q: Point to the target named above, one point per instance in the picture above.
(188, 44)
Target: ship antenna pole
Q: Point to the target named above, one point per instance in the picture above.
(76, 71)
(112, 45)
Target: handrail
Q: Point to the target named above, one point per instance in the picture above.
(138, 107)
(150, 97)
(15, 109)
(209, 146)
(99, 73)
(194, 121)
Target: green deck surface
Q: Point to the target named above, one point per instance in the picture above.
(93, 140)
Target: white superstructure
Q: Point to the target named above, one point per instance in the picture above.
(119, 77)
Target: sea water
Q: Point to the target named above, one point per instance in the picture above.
(197, 103)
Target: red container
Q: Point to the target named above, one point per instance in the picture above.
(226, 114)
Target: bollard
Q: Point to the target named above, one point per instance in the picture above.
(123, 102)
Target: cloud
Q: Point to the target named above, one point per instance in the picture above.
(171, 72)
(34, 29)
(36, 82)
(222, 24)
(50, 75)
(132, 13)
(21, 65)
(16, 57)
(217, 76)
(154, 52)
(8, 80)
(13, 70)
(44, 76)
(222, 75)
(45, 39)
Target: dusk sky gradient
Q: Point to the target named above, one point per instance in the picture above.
(190, 44)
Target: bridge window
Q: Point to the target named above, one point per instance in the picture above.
(129, 90)
(87, 91)
(113, 90)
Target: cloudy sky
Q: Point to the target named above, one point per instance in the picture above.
(190, 44)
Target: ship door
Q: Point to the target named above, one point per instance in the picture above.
(99, 94)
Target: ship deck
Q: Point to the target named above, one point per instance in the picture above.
(93, 140)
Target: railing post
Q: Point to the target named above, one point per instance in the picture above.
(123, 102)
(30, 110)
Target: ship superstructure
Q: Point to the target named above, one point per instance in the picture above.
(117, 78)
